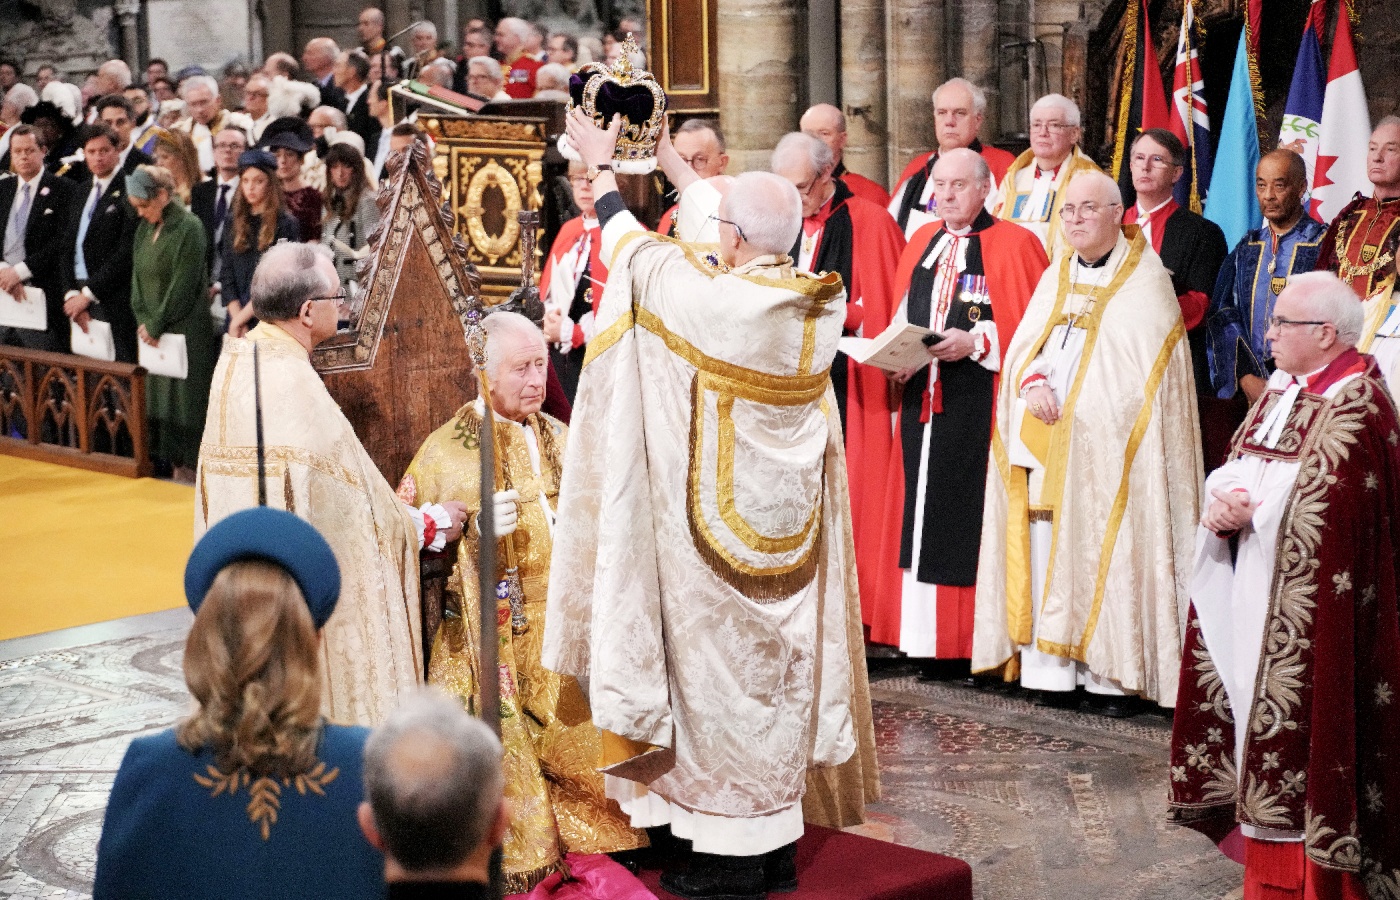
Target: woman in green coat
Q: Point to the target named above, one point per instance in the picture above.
(170, 295)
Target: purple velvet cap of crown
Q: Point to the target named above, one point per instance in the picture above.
(634, 101)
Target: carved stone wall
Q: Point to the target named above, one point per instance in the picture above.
(76, 36)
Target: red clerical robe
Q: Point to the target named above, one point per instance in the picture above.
(859, 240)
(1361, 245)
(861, 186)
(909, 189)
(1009, 260)
(1317, 765)
(572, 281)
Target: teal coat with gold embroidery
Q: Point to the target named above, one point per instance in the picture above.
(176, 826)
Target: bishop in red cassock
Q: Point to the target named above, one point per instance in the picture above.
(958, 109)
(969, 277)
(857, 239)
(827, 124)
(571, 284)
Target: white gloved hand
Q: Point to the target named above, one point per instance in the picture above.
(505, 505)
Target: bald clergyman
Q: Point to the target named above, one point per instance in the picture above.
(704, 487)
(1091, 501)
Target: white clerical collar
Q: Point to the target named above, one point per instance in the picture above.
(1271, 429)
(958, 232)
(590, 223)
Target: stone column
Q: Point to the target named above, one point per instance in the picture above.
(914, 66)
(760, 60)
(979, 49)
(126, 12)
(863, 88)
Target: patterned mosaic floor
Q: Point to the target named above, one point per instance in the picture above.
(1043, 803)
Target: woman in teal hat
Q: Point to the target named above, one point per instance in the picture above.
(253, 795)
(170, 295)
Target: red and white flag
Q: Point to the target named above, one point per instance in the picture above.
(1346, 129)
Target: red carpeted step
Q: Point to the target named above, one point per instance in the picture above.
(834, 865)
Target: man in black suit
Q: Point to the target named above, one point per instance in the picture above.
(116, 112)
(36, 208)
(1191, 247)
(351, 76)
(318, 59)
(212, 199)
(103, 235)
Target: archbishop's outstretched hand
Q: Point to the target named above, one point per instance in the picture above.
(594, 145)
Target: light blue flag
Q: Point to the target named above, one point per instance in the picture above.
(1231, 203)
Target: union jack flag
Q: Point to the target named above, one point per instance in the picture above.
(1189, 120)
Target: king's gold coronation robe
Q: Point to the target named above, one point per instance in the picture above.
(371, 648)
(1117, 480)
(704, 579)
(552, 750)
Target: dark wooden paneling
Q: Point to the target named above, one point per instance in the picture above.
(684, 57)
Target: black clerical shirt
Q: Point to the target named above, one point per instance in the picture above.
(437, 890)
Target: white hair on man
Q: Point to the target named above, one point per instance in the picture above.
(767, 210)
(426, 27)
(552, 77)
(21, 96)
(117, 72)
(194, 82)
(502, 325)
(796, 144)
(487, 67)
(1385, 121)
(287, 277)
(1330, 300)
(433, 781)
(334, 117)
(979, 97)
(1062, 103)
(519, 27)
(979, 165)
(438, 72)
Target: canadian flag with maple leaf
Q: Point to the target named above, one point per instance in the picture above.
(1346, 129)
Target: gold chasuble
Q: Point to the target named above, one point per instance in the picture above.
(1035, 206)
(317, 469)
(1120, 481)
(551, 748)
(704, 573)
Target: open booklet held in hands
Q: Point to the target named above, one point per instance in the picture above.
(899, 348)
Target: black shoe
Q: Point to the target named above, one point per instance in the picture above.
(1116, 707)
(1056, 699)
(712, 877)
(780, 869)
(944, 669)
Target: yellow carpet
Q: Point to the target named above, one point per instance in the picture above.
(78, 547)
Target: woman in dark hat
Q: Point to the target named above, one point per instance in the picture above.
(59, 131)
(170, 295)
(289, 139)
(258, 219)
(253, 795)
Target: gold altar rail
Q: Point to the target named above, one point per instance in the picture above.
(74, 411)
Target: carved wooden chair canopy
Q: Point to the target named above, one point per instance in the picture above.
(403, 368)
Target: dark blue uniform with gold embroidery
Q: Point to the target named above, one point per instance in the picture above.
(177, 826)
